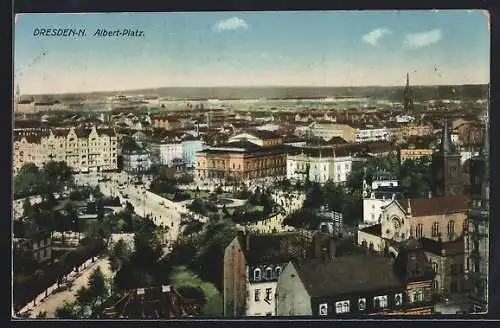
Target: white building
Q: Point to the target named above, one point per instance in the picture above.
(373, 134)
(373, 205)
(168, 151)
(319, 166)
(330, 221)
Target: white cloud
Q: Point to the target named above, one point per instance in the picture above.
(374, 36)
(422, 39)
(232, 23)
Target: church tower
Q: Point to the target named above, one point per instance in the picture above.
(408, 100)
(446, 167)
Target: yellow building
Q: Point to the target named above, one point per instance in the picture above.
(82, 149)
(413, 153)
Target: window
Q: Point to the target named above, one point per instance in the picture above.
(435, 286)
(465, 226)
(418, 295)
(435, 229)
(269, 292)
(257, 295)
(269, 273)
(362, 304)
(398, 299)
(278, 271)
(451, 229)
(380, 302)
(434, 266)
(342, 307)
(256, 274)
(419, 231)
(412, 232)
(323, 309)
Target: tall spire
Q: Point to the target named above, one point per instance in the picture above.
(446, 144)
(408, 102)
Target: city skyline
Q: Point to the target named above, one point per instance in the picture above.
(252, 49)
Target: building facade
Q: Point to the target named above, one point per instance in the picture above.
(329, 130)
(373, 134)
(136, 160)
(412, 153)
(82, 149)
(240, 161)
(477, 240)
(165, 152)
(319, 165)
(189, 149)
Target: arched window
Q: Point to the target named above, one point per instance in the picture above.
(257, 274)
(269, 273)
(338, 307)
(435, 286)
(376, 303)
(277, 271)
(364, 244)
(419, 231)
(434, 266)
(346, 307)
(362, 304)
(398, 299)
(323, 309)
(435, 229)
(371, 247)
(465, 226)
(451, 229)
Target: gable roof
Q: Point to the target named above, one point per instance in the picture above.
(435, 205)
(344, 275)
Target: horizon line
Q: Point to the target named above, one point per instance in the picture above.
(250, 87)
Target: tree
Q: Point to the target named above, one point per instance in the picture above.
(28, 210)
(94, 293)
(315, 198)
(120, 254)
(66, 311)
(147, 244)
(27, 181)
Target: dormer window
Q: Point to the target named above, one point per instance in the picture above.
(398, 299)
(362, 304)
(269, 273)
(257, 274)
(323, 309)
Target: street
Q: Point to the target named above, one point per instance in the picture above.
(51, 303)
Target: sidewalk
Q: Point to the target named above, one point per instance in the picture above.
(51, 303)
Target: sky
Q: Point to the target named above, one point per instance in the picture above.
(318, 48)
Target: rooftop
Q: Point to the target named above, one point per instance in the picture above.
(342, 275)
(435, 205)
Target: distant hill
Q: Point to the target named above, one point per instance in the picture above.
(199, 93)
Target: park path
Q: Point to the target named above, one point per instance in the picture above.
(51, 303)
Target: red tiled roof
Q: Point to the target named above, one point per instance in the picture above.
(435, 205)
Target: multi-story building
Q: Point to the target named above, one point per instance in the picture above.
(383, 179)
(160, 122)
(329, 130)
(241, 161)
(252, 265)
(190, 146)
(367, 134)
(136, 160)
(82, 149)
(412, 153)
(167, 151)
(319, 165)
(335, 287)
(477, 241)
(32, 242)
